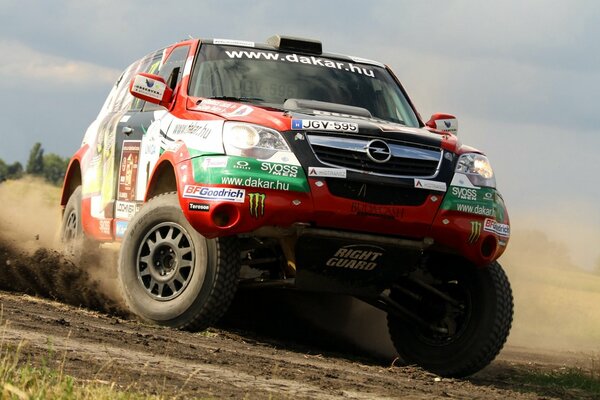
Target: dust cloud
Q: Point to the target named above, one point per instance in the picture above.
(31, 260)
(557, 304)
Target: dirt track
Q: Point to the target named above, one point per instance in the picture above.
(260, 351)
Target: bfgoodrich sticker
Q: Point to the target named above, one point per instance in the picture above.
(214, 193)
(499, 229)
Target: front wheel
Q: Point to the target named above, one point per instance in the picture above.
(170, 274)
(464, 334)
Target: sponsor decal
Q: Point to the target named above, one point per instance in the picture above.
(474, 200)
(475, 232)
(199, 207)
(376, 210)
(250, 172)
(128, 172)
(255, 182)
(359, 257)
(257, 204)
(104, 226)
(214, 193)
(430, 185)
(233, 42)
(326, 172)
(299, 136)
(225, 108)
(490, 225)
(198, 129)
(120, 228)
(464, 193)
(241, 111)
(126, 209)
(148, 87)
(475, 209)
(447, 125)
(214, 162)
(319, 125)
(295, 58)
(242, 164)
(280, 169)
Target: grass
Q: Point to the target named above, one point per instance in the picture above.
(26, 379)
(567, 382)
(21, 380)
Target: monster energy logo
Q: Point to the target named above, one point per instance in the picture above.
(257, 204)
(475, 231)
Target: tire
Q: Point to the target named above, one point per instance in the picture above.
(74, 242)
(170, 274)
(71, 228)
(476, 331)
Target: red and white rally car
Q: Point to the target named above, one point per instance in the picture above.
(221, 163)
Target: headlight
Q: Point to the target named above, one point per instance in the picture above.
(247, 140)
(477, 167)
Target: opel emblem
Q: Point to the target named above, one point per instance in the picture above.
(378, 151)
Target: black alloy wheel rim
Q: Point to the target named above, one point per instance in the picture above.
(165, 261)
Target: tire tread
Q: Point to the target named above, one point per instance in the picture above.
(478, 356)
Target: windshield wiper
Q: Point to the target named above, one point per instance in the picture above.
(233, 98)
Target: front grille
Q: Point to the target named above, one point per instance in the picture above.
(407, 159)
(377, 194)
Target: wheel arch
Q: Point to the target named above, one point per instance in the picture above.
(72, 181)
(163, 180)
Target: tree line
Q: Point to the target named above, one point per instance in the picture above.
(49, 166)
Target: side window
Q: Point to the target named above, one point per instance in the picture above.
(171, 71)
(119, 96)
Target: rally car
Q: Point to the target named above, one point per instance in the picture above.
(225, 163)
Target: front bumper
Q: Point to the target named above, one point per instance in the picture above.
(223, 196)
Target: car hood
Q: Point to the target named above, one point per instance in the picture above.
(317, 120)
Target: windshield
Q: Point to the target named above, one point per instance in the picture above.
(270, 78)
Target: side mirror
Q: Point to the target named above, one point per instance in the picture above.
(443, 122)
(151, 88)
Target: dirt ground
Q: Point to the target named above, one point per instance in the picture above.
(57, 313)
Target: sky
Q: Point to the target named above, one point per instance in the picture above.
(521, 76)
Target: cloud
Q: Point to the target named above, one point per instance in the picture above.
(23, 65)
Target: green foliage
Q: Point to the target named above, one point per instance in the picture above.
(12, 171)
(49, 166)
(35, 165)
(54, 168)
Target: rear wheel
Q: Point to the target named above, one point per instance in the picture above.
(75, 244)
(170, 274)
(468, 319)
